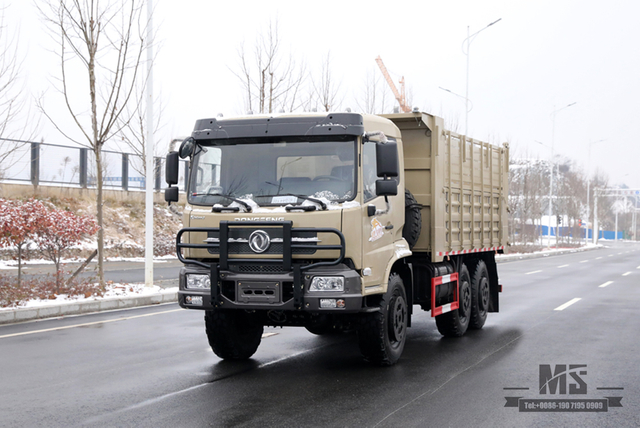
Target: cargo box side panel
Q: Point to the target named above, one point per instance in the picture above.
(475, 174)
(461, 184)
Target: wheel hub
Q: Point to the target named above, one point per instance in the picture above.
(398, 319)
(484, 294)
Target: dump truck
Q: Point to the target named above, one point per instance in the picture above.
(338, 222)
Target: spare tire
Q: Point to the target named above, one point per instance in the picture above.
(412, 219)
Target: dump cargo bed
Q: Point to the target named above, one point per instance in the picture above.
(461, 183)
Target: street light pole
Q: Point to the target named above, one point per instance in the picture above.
(586, 228)
(149, 169)
(553, 137)
(468, 41)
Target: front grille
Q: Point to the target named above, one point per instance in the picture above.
(238, 241)
(256, 268)
(274, 248)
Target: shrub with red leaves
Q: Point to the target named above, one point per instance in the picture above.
(60, 230)
(20, 223)
(52, 230)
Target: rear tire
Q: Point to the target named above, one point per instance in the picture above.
(455, 323)
(232, 334)
(480, 295)
(382, 334)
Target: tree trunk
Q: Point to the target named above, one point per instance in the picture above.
(97, 149)
(100, 218)
(19, 265)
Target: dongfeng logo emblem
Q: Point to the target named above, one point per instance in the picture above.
(259, 241)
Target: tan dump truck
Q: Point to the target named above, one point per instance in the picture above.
(337, 222)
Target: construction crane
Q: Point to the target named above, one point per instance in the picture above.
(400, 95)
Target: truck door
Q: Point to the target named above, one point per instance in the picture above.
(377, 232)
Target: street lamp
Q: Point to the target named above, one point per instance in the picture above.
(457, 95)
(550, 192)
(553, 137)
(586, 229)
(468, 41)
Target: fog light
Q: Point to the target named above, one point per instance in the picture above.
(340, 303)
(193, 300)
(198, 281)
(328, 303)
(327, 283)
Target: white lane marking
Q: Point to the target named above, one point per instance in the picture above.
(626, 273)
(584, 261)
(287, 357)
(566, 305)
(86, 324)
(265, 335)
(610, 255)
(531, 273)
(563, 266)
(605, 284)
(598, 258)
(638, 267)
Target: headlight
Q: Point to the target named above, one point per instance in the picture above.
(198, 281)
(327, 283)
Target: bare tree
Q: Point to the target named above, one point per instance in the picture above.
(105, 41)
(374, 96)
(271, 79)
(12, 100)
(325, 88)
(133, 130)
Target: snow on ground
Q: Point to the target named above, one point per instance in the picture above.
(114, 291)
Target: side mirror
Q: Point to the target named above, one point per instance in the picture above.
(387, 167)
(171, 168)
(387, 159)
(171, 194)
(386, 187)
(186, 148)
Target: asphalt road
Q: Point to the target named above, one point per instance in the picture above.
(153, 367)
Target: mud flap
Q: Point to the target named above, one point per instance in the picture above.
(452, 301)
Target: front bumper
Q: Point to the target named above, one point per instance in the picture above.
(274, 291)
(277, 283)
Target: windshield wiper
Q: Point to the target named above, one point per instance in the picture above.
(246, 206)
(305, 197)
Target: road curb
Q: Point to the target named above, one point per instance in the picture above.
(86, 306)
(516, 257)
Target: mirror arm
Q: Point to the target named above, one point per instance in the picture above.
(386, 210)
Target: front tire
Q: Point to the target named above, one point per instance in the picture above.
(382, 334)
(455, 323)
(232, 334)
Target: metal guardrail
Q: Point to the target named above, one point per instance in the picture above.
(46, 163)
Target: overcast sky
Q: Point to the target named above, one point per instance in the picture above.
(542, 56)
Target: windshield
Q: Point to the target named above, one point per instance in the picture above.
(270, 173)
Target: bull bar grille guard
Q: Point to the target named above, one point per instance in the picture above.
(287, 260)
